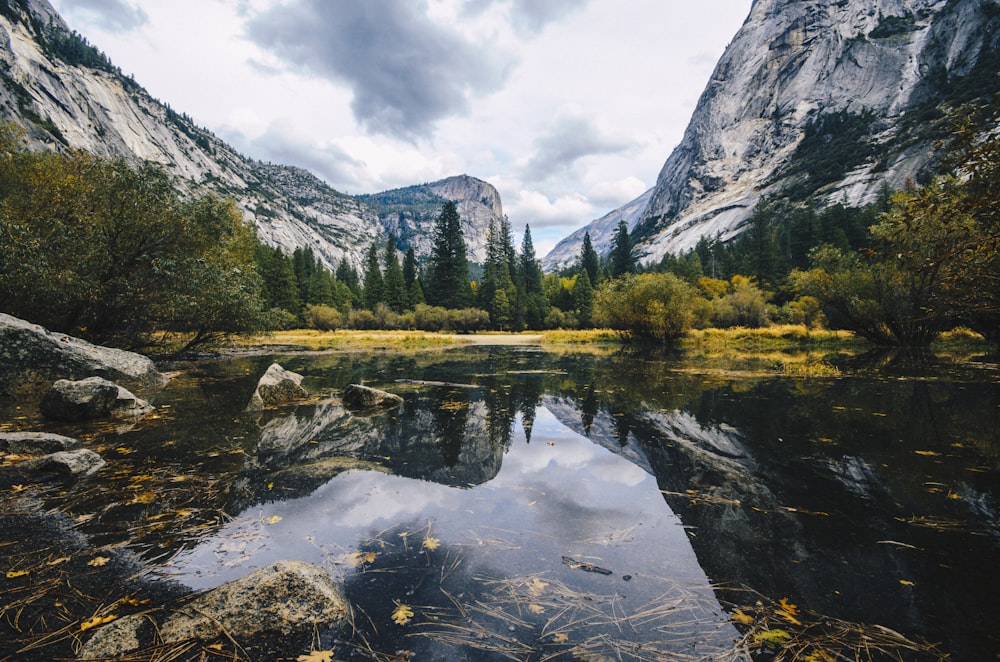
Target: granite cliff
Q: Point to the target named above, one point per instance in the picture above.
(819, 100)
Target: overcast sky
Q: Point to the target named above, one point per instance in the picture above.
(568, 107)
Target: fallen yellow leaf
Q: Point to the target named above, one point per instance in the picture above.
(98, 562)
(402, 615)
(536, 586)
(96, 621)
(905, 582)
(560, 638)
(274, 519)
(536, 609)
(11, 574)
(431, 543)
(61, 559)
(742, 618)
(316, 656)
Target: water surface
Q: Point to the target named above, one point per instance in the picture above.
(524, 504)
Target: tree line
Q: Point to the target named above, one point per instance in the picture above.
(118, 255)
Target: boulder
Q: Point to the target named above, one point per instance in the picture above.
(362, 398)
(286, 597)
(35, 443)
(118, 638)
(277, 387)
(68, 464)
(91, 398)
(32, 357)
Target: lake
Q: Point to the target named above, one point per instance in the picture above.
(529, 504)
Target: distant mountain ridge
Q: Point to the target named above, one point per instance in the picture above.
(822, 99)
(69, 95)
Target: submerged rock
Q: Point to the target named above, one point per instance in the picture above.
(359, 397)
(35, 443)
(277, 387)
(32, 357)
(91, 398)
(286, 597)
(70, 464)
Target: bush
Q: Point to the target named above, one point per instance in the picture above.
(659, 307)
(744, 305)
(323, 318)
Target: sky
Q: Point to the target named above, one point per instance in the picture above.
(568, 107)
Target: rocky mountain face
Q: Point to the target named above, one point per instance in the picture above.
(410, 213)
(69, 95)
(821, 99)
(602, 232)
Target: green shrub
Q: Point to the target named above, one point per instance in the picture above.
(659, 307)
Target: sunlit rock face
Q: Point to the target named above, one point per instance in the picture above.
(410, 213)
(759, 129)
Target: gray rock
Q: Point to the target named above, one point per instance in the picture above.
(35, 443)
(91, 398)
(118, 638)
(70, 464)
(32, 357)
(277, 387)
(127, 405)
(359, 397)
(285, 597)
(82, 400)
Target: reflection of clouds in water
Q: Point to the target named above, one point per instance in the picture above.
(365, 498)
(569, 452)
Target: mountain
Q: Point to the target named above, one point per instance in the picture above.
(602, 232)
(410, 213)
(67, 94)
(823, 100)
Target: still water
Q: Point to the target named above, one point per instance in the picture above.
(531, 505)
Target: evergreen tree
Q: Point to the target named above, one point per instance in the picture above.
(497, 294)
(373, 286)
(621, 261)
(394, 285)
(589, 260)
(280, 287)
(583, 299)
(348, 275)
(410, 283)
(534, 305)
(449, 265)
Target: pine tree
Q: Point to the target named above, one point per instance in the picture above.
(534, 304)
(373, 285)
(583, 299)
(394, 285)
(280, 287)
(589, 260)
(621, 260)
(449, 265)
(410, 283)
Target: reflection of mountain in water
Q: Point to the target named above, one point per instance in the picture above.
(772, 504)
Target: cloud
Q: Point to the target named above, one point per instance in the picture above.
(537, 210)
(529, 17)
(111, 15)
(282, 143)
(569, 139)
(616, 193)
(406, 71)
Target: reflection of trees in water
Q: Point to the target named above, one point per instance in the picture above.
(450, 419)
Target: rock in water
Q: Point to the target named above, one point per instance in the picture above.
(286, 597)
(82, 400)
(359, 397)
(70, 464)
(32, 357)
(89, 399)
(35, 443)
(277, 387)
